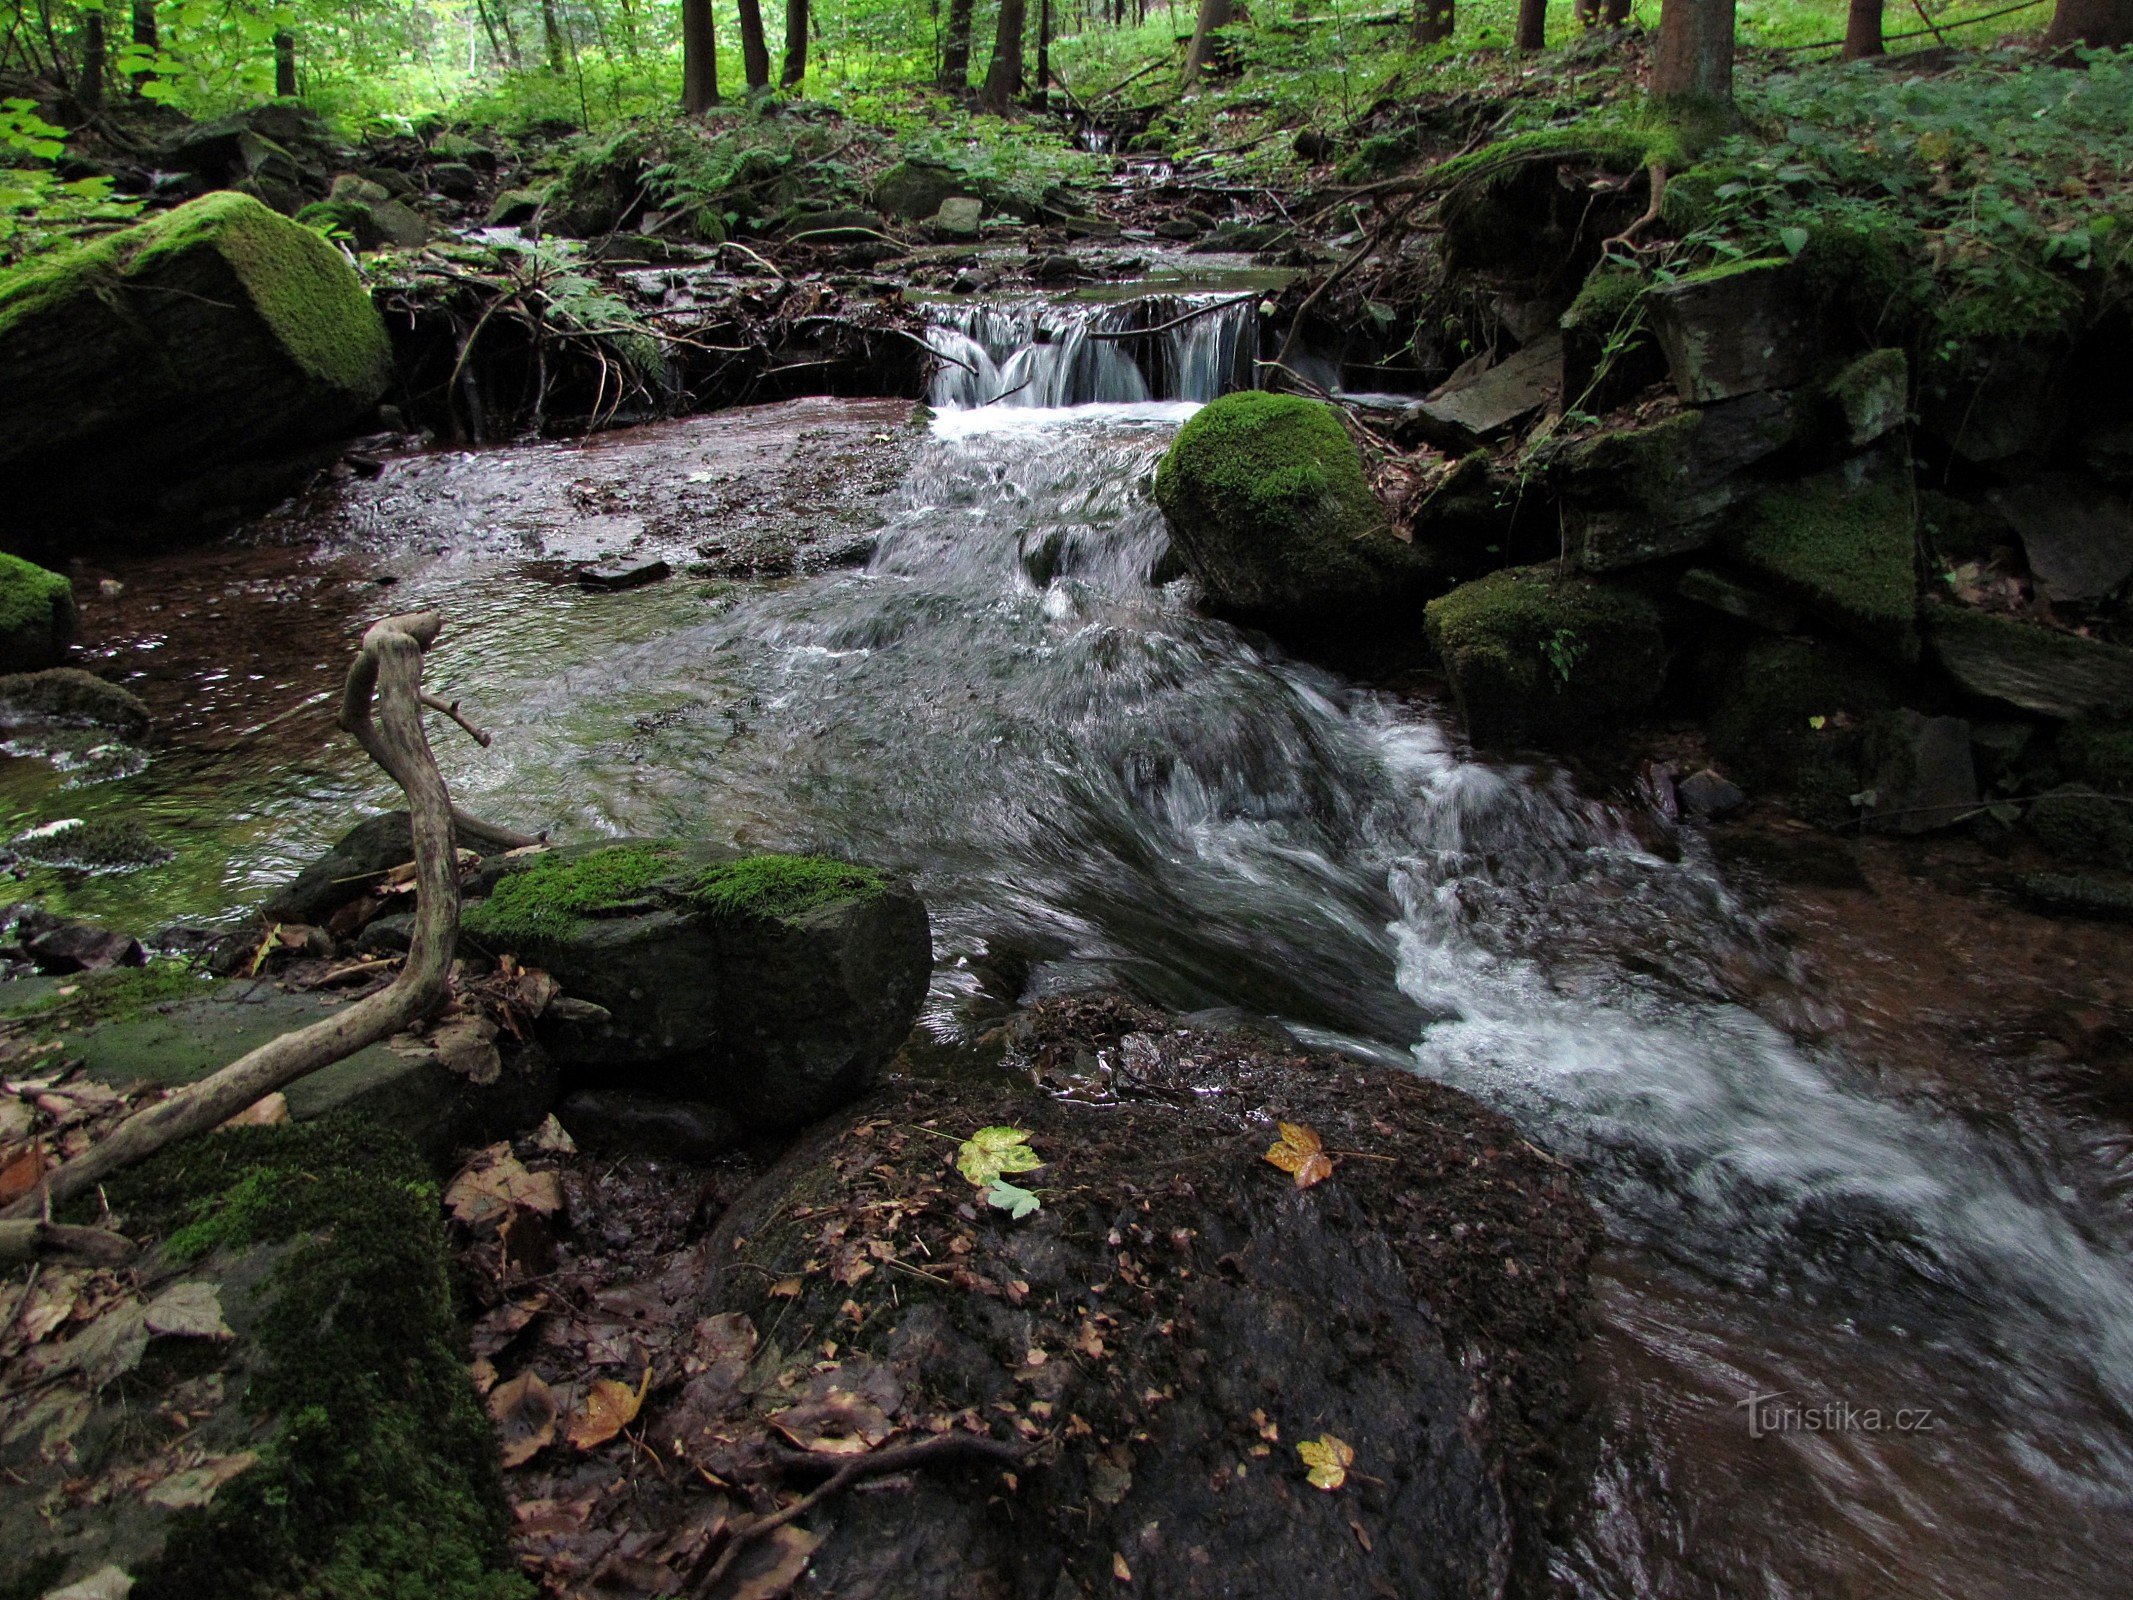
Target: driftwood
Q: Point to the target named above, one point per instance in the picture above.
(54, 1241)
(387, 672)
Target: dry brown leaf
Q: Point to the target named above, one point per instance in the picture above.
(196, 1485)
(467, 1045)
(270, 1112)
(769, 1569)
(1301, 1153)
(188, 1310)
(1119, 1569)
(525, 1411)
(729, 1336)
(20, 1171)
(552, 1137)
(839, 1424)
(609, 1408)
(495, 1184)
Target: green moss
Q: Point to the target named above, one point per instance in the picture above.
(36, 613)
(104, 844)
(1846, 550)
(2099, 754)
(550, 899)
(1622, 145)
(117, 995)
(1533, 652)
(781, 886)
(303, 289)
(379, 1480)
(1871, 395)
(1607, 300)
(2075, 823)
(1791, 719)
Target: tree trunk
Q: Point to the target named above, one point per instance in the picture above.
(1695, 55)
(699, 58)
(1532, 24)
(1434, 20)
(755, 52)
(1003, 79)
(955, 53)
(89, 93)
(795, 43)
(1213, 14)
(144, 37)
(1044, 53)
(552, 31)
(2099, 24)
(1862, 30)
(284, 65)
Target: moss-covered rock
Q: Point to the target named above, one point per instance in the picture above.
(1533, 653)
(2078, 824)
(774, 986)
(1845, 545)
(1268, 505)
(36, 615)
(1869, 396)
(1791, 720)
(1734, 329)
(214, 333)
(2099, 754)
(367, 213)
(73, 698)
(104, 844)
(913, 190)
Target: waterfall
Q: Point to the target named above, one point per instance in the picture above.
(1048, 353)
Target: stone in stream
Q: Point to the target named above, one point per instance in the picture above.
(2082, 826)
(1473, 407)
(515, 206)
(772, 986)
(1920, 775)
(958, 218)
(37, 617)
(1268, 506)
(623, 574)
(2029, 666)
(71, 697)
(213, 334)
(1790, 720)
(367, 214)
(1534, 654)
(1175, 1319)
(1735, 329)
(357, 861)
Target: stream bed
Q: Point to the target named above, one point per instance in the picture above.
(937, 647)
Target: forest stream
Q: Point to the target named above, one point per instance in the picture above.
(1089, 781)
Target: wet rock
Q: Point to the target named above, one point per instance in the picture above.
(515, 206)
(837, 225)
(1268, 506)
(455, 180)
(37, 617)
(914, 189)
(59, 945)
(1871, 396)
(1178, 1317)
(2030, 666)
(368, 215)
(1706, 795)
(614, 1122)
(1243, 237)
(773, 986)
(1091, 228)
(1920, 774)
(1735, 330)
(103, 844)
(1632, 495)
(2078, 894)
(458, 147)
(1533, 654)
(71, 697)
(958, 218)
(1056, 268)
(1177, 228)
(2077, 535)
(1477, 406)
(2077, 824)
(1844, 544)
(1743, 602)
(623, 574)
(356, 862)
(214, 333)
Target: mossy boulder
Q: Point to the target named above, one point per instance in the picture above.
(1844, 544)
(1268, 506)
(215, 333)
(71, 697)
(2029, 666)
(359, 859)
(1792, 719)
(913, 190)
(2080, 825)
(368, 214)
(1870, 396)
(774, 986)
(1735, 329)
(1537, 654)
(36, 615)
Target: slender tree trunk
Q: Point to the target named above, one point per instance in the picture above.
(1213, 14)
(699, 58)
(1044, 52)
(755, 52)
(1004, 77)
(1695, 56)
(2099, 24)
(144, 37)
(503, 19)
(1532, 24)
(955, 52)
(89, 93)
(1616, 13)
(795, 43)
(284, 65)
(1434, 21)
(552, 31)
(488, 24)
(1862, 30)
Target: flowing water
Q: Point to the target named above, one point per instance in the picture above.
(1089, 780)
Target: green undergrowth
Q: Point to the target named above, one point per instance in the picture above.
(379, 1479)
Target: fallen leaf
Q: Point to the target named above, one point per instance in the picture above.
(20, 1171)
(525, 1412)
(467, 1045)
(495, 1183)
(552, 1137)
(1119, 1569)
(839, 1424)
(785, 1289)
(1328, 1459)
(1302, 1154)
(496, 1329)
(729, 1336)
(989, 1152)
(105, 1583)
(1016, 1202)
(270, 1112)
(188, 1311)
(196, 1486)
(609, 1408)
(769, 1569)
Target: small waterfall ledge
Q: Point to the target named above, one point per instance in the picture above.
(1051, 353)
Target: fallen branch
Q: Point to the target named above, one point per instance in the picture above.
(387, 671)
(39, 1240)
(1174, 322)
(1356, 258)
(946, 1449)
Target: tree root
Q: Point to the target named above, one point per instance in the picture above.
(1627, 236)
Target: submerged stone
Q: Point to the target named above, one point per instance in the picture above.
(1920, 774)
(1533, 653)
(1791, 719)
(1268, 506)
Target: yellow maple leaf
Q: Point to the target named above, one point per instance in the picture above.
(1328, 1459)
(611, 1407)
(1301, 1153)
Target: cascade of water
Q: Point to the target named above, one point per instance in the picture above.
(1048, 354)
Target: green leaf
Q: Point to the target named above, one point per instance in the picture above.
(991, 1151)
(1793, 239)
(1017, 1203)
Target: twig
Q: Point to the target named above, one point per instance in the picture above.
(450, 708)
(947, 1449)
(1361, 253)
(1174, 322)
